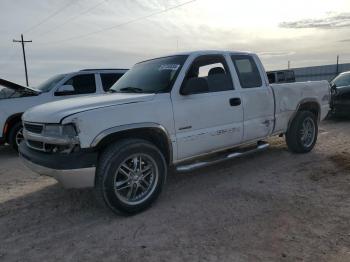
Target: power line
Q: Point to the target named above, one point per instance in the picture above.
(47, 18)
(74, 17)
(24, 54)
(122, 24)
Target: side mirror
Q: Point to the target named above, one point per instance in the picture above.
(194, 85)
(65, 90)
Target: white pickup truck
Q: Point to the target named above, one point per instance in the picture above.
(15, 99)
(186, 111)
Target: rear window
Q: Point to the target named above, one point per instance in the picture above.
(247, 70)
(109, 79)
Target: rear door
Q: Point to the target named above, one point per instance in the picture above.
(210, 118)
(257, 98)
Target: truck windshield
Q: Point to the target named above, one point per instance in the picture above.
(151, 76)
(50, 83)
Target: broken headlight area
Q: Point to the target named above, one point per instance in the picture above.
(53, 138)
(68, 130)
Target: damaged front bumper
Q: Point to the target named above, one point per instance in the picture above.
(74, 170)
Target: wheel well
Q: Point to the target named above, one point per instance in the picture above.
(312, 107)
(9, 124)
(154, 135)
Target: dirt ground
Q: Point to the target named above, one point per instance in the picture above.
(271, 206)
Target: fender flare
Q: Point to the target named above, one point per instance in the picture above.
(130, 127)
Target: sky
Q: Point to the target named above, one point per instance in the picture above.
(70, 35)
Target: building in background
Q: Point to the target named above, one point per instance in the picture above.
(325, 72)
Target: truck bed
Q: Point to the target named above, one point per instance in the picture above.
(288, 97)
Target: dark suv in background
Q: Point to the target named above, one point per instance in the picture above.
(340, 89)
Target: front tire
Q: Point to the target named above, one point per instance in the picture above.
(16, 135)
(130, 175)
(302, 134)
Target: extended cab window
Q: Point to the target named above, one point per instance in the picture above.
(108, 79)
(213, 73)
(82, 84)
(247, 71)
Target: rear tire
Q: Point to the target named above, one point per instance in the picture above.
(16, 135)
(130, 176)
(302, 134)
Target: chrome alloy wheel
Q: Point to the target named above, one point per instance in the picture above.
(308, 132)
(19, 136)
(136, 179)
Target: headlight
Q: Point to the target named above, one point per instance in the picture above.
(54, 138)
(68, 130)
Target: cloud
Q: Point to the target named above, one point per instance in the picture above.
(197, 26)
(276, 53)
(332, 21)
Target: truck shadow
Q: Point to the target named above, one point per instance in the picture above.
(7, 151)
(59, 201)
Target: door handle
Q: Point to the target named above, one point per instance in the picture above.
(236, 101)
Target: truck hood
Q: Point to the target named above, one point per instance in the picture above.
(54, 112)
(17, 87)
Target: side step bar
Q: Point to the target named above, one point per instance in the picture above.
(192, 166)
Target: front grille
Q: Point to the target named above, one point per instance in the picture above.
(37, 129)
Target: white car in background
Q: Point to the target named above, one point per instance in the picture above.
(16, 99)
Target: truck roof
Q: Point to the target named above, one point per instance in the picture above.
(105, 69)
(201, 52)
(212, 52)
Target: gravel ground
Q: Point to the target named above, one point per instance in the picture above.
(271, 206)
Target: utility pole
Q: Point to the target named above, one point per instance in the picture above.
(24, 54)
(337, 70)
(288, 64)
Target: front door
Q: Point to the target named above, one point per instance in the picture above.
(210, 117)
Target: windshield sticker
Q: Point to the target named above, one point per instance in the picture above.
(172, 67)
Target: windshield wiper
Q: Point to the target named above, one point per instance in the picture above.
(131, 89)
